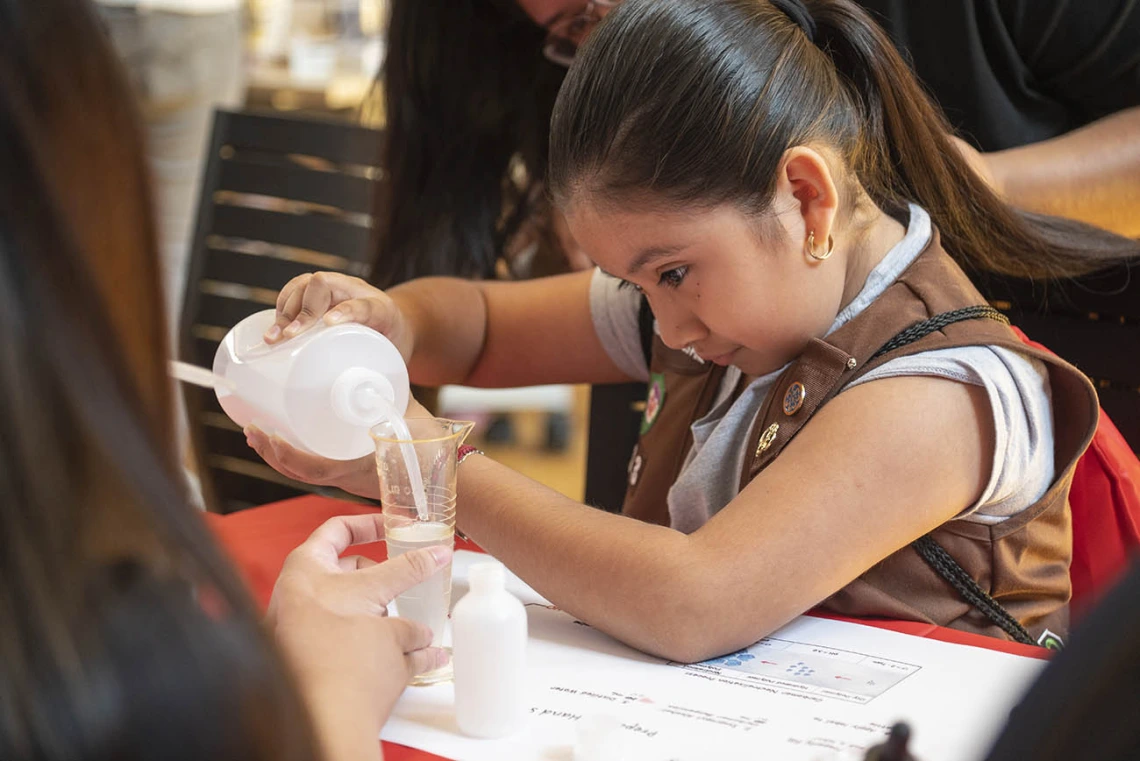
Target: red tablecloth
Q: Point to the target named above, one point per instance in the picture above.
(259, 539)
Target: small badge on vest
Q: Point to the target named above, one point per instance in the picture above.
(634, 467)
(767, 438)
(794, 398)
(653, 401)
(1050, 641)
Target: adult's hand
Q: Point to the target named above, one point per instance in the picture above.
(329, 614)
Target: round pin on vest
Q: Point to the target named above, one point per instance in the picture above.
(794, 398)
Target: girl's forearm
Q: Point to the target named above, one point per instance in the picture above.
(638, 582)
(448, 319)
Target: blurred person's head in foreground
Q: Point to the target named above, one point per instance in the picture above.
(125, 634)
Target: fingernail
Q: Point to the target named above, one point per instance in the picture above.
(273, 333)
(440, 553)
(440, 659)
(292, 328)
(333, 317)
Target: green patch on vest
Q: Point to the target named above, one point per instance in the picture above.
(654, 399)
(1050, 641)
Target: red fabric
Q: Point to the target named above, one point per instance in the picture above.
(1105, 500)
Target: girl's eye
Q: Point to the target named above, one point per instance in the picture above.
(625, 284)
(674, 277)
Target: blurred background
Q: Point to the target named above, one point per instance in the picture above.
(315, 56)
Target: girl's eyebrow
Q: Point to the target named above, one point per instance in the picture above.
(650, 254)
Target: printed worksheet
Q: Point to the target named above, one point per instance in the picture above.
(816, 690)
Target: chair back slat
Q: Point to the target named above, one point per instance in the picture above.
(311, 232)
(296, 183)
(201, 352)
(219, 311)
(228, 441)
(333, 141)
(254, 270)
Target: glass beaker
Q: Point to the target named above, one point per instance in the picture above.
(433, 444)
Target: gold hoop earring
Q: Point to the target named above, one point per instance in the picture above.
(811, 247)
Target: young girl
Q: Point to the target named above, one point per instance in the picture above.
(835, 416)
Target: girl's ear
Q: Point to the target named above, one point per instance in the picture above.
(805, 183)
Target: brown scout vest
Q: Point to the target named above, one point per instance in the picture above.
(1022, 562)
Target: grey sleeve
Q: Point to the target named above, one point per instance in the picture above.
(614, 311)
(1021, 403)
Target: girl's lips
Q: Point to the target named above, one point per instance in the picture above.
(722, 359)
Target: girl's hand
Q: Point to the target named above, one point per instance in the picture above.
(354, 476)
(329, 615)
(334, 298)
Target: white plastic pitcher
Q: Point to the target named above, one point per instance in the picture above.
(321, 391)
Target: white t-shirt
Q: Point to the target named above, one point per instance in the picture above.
(1017, 387)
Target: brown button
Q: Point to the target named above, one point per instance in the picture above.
(794, 398)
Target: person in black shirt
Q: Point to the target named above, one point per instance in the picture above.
(1045, 93)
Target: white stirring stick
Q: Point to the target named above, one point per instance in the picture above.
(199, 376)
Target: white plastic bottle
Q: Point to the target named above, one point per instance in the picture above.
(321, 391)
(489, 656)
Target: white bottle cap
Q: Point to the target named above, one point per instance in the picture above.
(362, 397)
(487, 576)
(600, 737)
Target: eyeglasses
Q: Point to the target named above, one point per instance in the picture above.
(567, 33)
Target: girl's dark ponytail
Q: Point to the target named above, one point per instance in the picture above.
(907, 155)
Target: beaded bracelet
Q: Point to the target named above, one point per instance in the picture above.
(465, 451)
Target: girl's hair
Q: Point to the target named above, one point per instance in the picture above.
(125, 633)
(468, 97)
(696, 101)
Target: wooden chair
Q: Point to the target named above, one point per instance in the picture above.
(280, 197)
(1093, 322)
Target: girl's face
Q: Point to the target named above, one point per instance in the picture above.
(736, 295)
